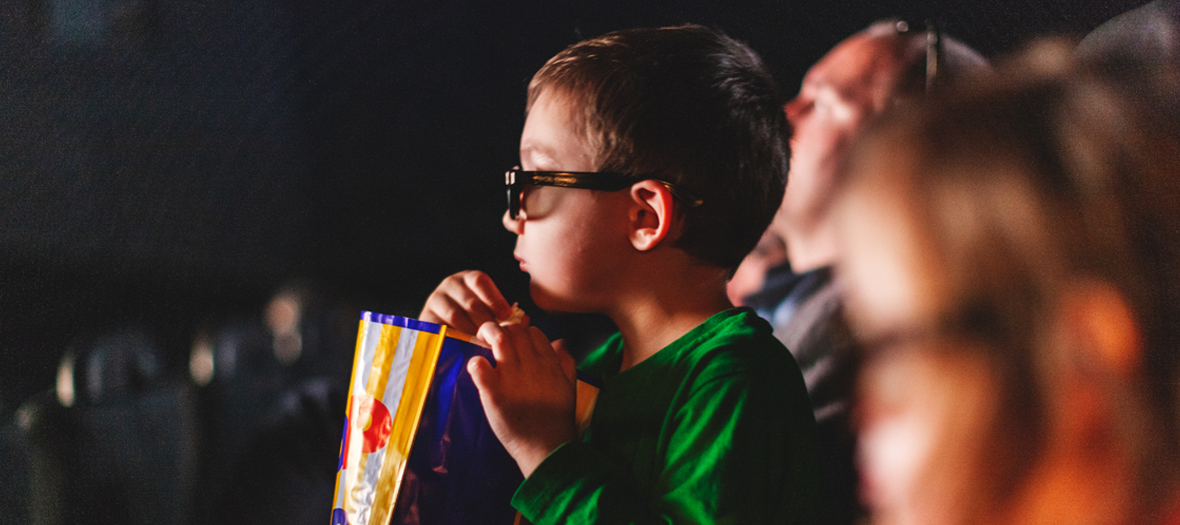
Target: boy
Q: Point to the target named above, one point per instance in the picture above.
(652, 161)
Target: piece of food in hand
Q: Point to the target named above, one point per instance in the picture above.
(516, 317)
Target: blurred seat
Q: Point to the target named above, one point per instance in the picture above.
(116, 441)
(15, 460)
(287, 471)
(272, 397)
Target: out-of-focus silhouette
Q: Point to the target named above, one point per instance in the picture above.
(890, 63)
(1011, 255)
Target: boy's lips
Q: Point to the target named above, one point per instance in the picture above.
(523, 266)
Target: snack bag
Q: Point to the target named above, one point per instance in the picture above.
(394, 449)
(417, 448)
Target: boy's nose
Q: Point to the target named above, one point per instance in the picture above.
(514, 225)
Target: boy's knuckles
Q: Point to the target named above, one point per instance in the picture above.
(477, 279)
(521, 338)
(471, 303)
(538, 338)
(449, 313)
(451, 282)
(493, 334)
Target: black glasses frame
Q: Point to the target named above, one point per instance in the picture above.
(934, 51)
(516, 179)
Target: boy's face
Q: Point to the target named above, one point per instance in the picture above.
(570, 241)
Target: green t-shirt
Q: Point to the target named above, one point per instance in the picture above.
(714, 428)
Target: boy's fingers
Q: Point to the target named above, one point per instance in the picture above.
(559, 346)
(469, 305)
(464, 301)
(522, 343)
(540, 344)
(498, 338)
(567, 361)
(482, 374)
(443, 309)
(488, 294)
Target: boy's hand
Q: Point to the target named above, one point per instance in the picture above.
(464, 301)
(529, 395)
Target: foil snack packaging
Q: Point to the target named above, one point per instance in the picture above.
(417, 448)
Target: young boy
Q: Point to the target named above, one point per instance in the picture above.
(652, 161)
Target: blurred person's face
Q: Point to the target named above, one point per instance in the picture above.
(568, 240)
(925, 406)
(838, 97)
(923, 417)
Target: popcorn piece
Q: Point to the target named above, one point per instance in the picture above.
(517, 317)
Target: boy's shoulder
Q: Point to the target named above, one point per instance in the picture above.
(736, 342)
(732, 341)
(735, 327)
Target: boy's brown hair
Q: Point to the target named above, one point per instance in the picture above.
(690, 106)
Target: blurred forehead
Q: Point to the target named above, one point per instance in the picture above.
(892, 274)
(862, 68)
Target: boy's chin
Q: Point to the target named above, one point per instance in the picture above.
(553, 303)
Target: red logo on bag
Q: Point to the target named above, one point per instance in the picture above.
(374, 422)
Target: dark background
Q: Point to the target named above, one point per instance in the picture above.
(164, 161)
(168, 165)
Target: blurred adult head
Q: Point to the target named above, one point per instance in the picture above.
(1011, 256)
(1148, 35)
(871, 71)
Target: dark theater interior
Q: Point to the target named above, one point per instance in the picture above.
(197, 199)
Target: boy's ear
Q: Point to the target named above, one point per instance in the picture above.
(651, 214)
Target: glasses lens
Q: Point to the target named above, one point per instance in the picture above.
(513, 201)
(510, 180)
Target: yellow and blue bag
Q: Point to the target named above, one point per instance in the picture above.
(417, 448)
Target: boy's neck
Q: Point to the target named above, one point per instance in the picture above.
(666, 308)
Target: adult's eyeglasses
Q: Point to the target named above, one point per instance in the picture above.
(933, 48)
(516, 179)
